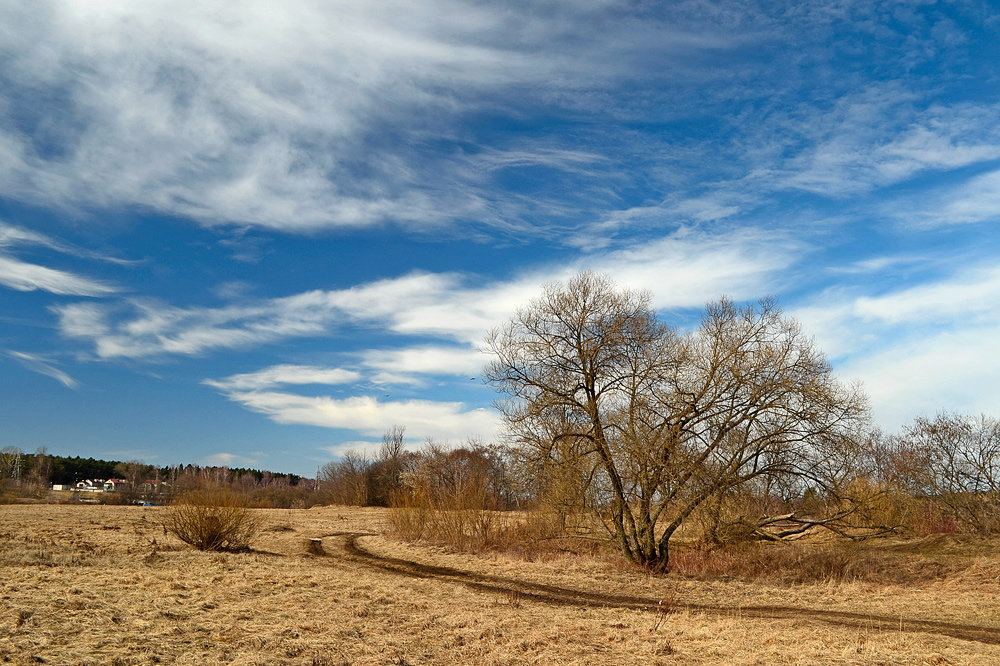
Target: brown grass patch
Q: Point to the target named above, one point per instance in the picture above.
(276, 606)
(796, 563)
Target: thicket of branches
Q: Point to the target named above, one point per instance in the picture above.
(654, 423)
(444, 475)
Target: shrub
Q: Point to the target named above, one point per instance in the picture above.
(216, 519)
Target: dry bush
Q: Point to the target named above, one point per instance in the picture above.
(215, 519)
(410, 514)
(453, 497)
(462, 518)
(417, 516)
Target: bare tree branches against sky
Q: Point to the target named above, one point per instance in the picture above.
(208, 213)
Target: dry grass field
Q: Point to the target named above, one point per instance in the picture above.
(106, 585)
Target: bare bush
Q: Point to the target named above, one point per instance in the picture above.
(454, 496)
(214, 519)
(347, 481)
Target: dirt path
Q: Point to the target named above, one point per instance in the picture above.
(345, 545)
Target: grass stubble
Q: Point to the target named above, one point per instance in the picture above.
(106, 585)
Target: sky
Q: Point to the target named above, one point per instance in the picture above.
(260, 234)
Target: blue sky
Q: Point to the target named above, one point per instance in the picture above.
(261, 237)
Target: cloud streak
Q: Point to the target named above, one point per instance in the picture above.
(682, 270)
(313, 119)
(23, 276)
(278, 375)
(449, 421)
(42, 366)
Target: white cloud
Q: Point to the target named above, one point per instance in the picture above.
(363, 414)
(875, 137)
(689, 269)
(278, 375)
(844, 321)
(13, 235)
(448, 421)
(83, 320)
(365, 447)
(42, 366)
(975, 200)
(398, 366)
(681, 270)
(279, 118)
(225, 459)
(22, 276)
(931, 372)
(876, 264)
(917, 349)
(966, 296)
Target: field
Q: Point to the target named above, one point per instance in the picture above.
(106, 585)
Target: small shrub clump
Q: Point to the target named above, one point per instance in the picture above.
(216, 520)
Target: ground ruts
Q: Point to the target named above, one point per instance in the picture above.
(349, 548)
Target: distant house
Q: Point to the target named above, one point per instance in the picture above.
(89, 486)
(155, 487)
(114, 485)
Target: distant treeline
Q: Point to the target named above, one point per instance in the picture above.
(30, 476)
(41, 466)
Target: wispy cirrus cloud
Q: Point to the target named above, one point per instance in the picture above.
(278, 375)
(970, 201)
(351, 115)
(685, 269)
(324, 117)
(25, 276)
(407, 365)
(43, 366)
(883, 136)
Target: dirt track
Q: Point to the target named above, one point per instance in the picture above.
(345, 545)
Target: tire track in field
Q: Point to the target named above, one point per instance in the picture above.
(349, 548)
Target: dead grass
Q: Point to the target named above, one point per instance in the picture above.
(797, 563)
(105, 585)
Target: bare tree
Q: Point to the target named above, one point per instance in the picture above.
(10, 463)
(955, 459)
(665, 421)
(346, 481)
(392, 443)
(388, 466)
